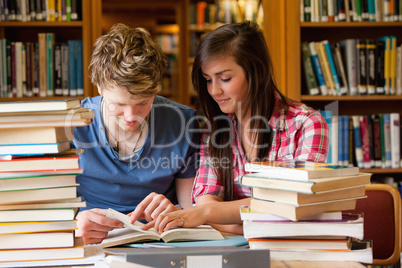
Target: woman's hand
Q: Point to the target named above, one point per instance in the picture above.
(150, 208)
(191, 217)
(93, 225)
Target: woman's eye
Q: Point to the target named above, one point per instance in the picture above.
(226, 80)
(208, 80)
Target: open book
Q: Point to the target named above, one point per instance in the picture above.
(132, 232)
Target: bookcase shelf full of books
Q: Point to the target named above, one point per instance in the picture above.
(45, 49)
(298, 40)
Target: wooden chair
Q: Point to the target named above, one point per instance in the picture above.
(382, 222)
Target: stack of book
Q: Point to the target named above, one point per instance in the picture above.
(299, 207)
(38, 189)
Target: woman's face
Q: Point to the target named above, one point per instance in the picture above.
(226, 83)
(128, 111)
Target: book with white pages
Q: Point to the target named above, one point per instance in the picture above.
(133, 232)
(246, 214)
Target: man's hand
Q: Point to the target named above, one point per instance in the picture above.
(150, 208)
(93, 225)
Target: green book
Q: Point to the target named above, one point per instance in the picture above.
(309, 71)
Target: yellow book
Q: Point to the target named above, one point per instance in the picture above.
(392, 74)
(387, 64)
(51, 10)
(322, 56)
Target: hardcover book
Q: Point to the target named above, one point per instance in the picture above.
(132, 232)
(299, 212)
(350, 225)
(309, 187)
(299, 170)
(38, 105)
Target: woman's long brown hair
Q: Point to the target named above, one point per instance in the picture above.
(245, 43)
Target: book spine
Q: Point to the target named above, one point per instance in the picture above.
(308, 70)
(29, 71)
(49, 64)
(352, 155)
(318, 69)
(349, 46)
(9, 69)
(32, 9)
(4, 68)
(322, 56)
(341, 153)
(42, 65)
(13, 71)
(71, 68)
(74, 10)
(58, 90)
(395, 128)
(331, 62)
(398, 71)
(68, 10)
(378, 144)
(307, 10)
(36, 71)
(382, 137)
(79, 68)
(340, 69)
(331, 10)
(341, 10)
(50, 10)
(361, 67)
(370, 128)
(380, 56)
(335, 140)
(65, 69)
(371, 10)
(370, 67)
(345, 137)
(387, 140)
(365, 141)
(365, 10)
(358, 141)
(393, 66)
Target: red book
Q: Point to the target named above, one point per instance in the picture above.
(365, 141)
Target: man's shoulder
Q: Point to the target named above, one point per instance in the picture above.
(164, 105)
(91, 102)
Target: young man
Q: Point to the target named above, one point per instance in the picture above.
(140, 152)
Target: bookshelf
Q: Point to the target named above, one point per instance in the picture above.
(27, 31)
(163, 19)
(284, 24)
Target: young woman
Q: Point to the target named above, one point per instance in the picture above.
(248, 120)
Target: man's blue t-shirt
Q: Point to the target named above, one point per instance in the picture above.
(169, 152)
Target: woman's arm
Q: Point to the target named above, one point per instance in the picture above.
(183, 191)
(210, 209)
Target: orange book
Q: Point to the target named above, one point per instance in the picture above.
(201, 13)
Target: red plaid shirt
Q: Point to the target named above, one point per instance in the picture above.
(300, 134)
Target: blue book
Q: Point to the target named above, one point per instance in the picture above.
(331, 61)
(79, 68)
(318, 70)
(371, 10)
(345, 140)
(387, 139)
(341, 153)
(34, 149)
(72, 81)
(358, 141)
(328, 118)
